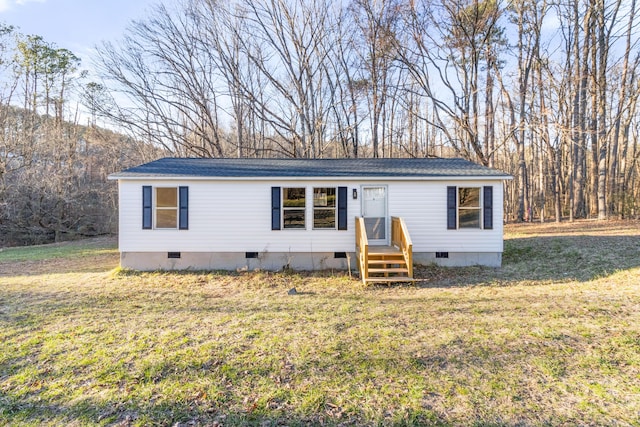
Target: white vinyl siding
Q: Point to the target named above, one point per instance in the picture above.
(235, 216)
(423, 205)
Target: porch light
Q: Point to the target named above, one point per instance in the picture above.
(355, 193)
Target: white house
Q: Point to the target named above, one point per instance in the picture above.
(183, 213)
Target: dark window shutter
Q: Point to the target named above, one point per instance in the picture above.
(275, 208)
(488, 208)
(184, 208)
(451, 208)
(147, 208)
(342, 208)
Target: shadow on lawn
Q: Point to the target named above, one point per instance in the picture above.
(540, 259)
(190, 412)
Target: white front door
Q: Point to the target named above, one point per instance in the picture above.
(374, 212)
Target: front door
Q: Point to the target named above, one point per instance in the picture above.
(374, 212)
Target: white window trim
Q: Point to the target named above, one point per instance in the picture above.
(283, 209)
(334, 208)
(480, 208)
(156, 208)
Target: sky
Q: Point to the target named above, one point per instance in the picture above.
(77, 25)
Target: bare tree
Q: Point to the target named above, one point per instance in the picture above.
(377, 43)
(167, 79)
(557, 109)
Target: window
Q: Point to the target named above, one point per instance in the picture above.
(293, 207)
(329, 208)
(166, 207)
(469, 207)
(466, 210)
(324, 208)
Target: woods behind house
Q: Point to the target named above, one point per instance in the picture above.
(544, 90)
(53, 170)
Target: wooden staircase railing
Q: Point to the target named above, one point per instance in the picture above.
(362, 249)
(400, 238)
(385, 263)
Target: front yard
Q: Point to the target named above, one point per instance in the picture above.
(552, 338)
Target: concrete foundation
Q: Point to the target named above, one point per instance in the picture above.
(274, 261)
(234, 261)
(460, 259)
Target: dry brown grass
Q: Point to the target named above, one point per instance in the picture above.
(552, 338)
(576, 228)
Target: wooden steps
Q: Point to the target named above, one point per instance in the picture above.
(386, 261)
(388, 270)
(387, 264)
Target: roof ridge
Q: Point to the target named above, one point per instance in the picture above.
(397, 168)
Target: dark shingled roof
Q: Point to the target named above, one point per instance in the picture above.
(307, 168)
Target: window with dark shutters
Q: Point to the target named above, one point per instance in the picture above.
(329, 208)
(169, 210)
(275, 208)
(147, 208)
(464, 209)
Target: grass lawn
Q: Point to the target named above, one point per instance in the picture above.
(552, 338)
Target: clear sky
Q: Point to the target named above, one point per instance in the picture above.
(77, 25)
